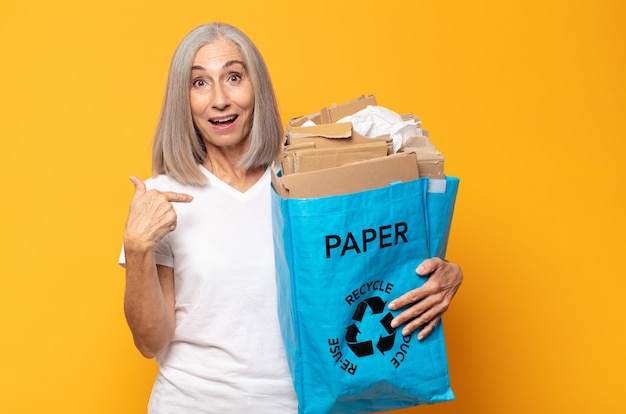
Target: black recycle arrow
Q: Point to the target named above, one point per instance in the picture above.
(365, 348)
(376, 304)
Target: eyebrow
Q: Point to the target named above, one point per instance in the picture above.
(226, 65)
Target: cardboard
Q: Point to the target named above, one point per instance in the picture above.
(349, 178)
(300, 120)
(430, 160)
(337, 134)
(310, 159)
(328, 145)
(334, 113)
(340, 130)
(430, 167)
(321, 142)
(329, 158)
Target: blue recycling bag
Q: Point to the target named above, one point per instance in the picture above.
(339, 261)
(440, 199)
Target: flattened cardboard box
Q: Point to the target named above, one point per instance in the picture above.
(301, 161)
(309, 172)
(350, 178)
(328, 145)
(333, 113)
(309, 148)
(330, 136)
(429, 159)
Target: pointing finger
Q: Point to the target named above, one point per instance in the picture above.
(177, 197)
(140, 188)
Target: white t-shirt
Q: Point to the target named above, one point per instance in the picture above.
(227, 354)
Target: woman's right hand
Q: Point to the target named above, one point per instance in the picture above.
(150, 216)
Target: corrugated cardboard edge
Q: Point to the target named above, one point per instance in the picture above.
(350, 178)
(334, 113)
(311, 160)
(340, 130)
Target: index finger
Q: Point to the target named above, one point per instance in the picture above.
(177, 197)
(409, 298)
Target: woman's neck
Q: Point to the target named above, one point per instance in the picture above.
(229, 172)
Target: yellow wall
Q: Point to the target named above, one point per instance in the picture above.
(527, 100)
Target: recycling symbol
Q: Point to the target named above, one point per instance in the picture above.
(362, 348)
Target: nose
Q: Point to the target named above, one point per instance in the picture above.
(221, 99)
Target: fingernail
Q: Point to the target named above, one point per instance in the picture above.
(420, 270)
(392, 306)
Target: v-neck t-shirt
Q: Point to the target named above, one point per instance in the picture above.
(226, 355)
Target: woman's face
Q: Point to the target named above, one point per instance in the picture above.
(222, 96)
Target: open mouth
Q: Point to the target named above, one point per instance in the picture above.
(223, 121)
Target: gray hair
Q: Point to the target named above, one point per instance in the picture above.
(178, 147)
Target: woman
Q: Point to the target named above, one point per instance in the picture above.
(200, 285)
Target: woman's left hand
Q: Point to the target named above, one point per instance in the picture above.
(426, 304)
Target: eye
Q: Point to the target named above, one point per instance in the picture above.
(198, 83)
(235, 77)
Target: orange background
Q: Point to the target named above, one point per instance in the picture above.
(526, 99)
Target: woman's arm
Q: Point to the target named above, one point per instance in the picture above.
(149, 294)
(149, 303)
